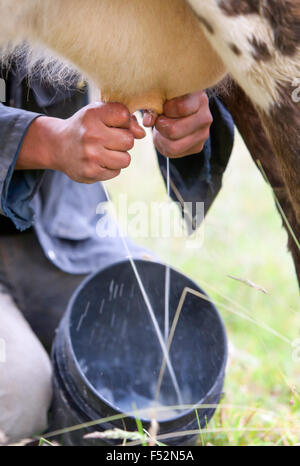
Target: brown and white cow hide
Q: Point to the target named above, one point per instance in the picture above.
(138, 52)
(142, 52)
(259, 41)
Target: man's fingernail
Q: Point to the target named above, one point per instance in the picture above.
(147, 119)
(164, 122)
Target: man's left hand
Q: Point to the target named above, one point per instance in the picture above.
(184, 127)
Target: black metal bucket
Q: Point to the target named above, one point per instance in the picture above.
(107, 356)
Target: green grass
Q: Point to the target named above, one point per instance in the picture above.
(244, 238)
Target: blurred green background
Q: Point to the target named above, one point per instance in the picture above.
(244, 238)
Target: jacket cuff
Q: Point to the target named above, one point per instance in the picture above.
(198, 178)
(17, 188)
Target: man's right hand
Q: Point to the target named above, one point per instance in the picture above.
(90, 146)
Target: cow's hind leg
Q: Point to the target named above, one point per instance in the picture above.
(249, 124)
(259, 41)
(282, 124)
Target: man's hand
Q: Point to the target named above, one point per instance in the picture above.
(184, 127)
(90, 146)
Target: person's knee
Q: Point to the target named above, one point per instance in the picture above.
(25, 398)
(25, 376)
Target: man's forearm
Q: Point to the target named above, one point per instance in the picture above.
(39, 148)
(14, 124)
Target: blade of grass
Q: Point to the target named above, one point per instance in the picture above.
(42, 441)
(200, 429)
(279, 205)
(139, 426)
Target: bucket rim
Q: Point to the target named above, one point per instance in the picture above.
(130, 415)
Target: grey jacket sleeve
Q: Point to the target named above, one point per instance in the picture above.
(16, 187)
